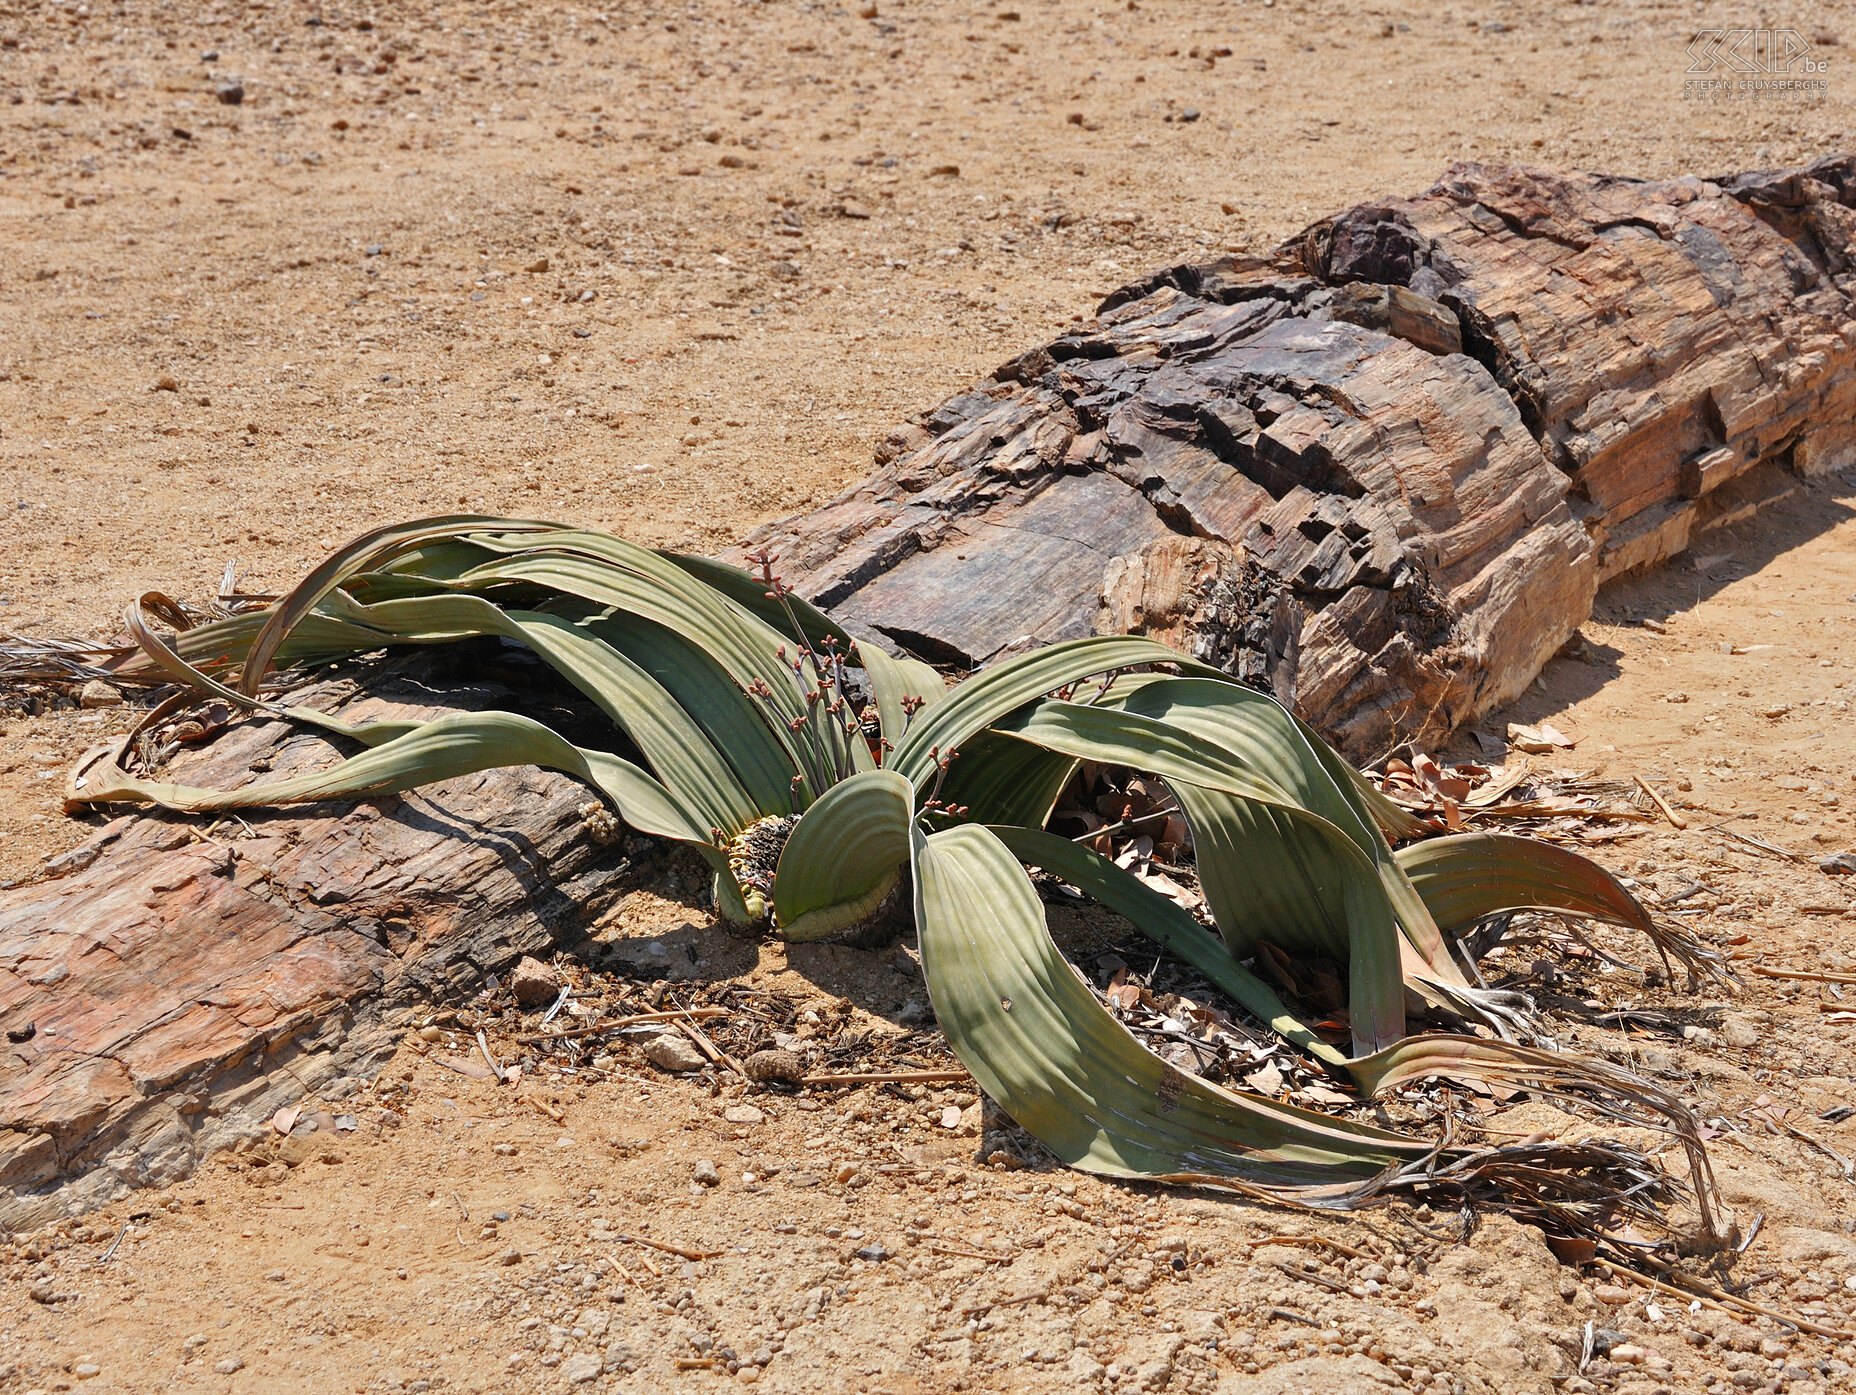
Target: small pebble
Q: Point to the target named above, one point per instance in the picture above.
(582, 1368)
(706, 1174)
(774, 1064)
(1739, 1030)
(673, 1052)
(534, 983)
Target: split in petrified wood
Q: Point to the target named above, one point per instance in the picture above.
(1384, 470)
(1381, 472)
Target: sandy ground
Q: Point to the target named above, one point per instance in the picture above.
(674, 271)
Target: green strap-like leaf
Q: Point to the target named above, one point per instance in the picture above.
(1271, 874)
(1255, 848)
(665, 595)
(989, 695)
(844, 855)
(1166, 923)
(892, 680)
(1040, 1044)
(459, 743)
(677, 749)
(611, 571)
(364, 553)
(1472, 875)
(751, 595)
(1002, 780)
(703, 688)
(443, 559)
(1260, 733)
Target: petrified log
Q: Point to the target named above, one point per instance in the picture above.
(181, 982)
(1383, 470)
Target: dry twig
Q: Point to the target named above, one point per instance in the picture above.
(681, 1251)
(1660, 803)
(575, 1033)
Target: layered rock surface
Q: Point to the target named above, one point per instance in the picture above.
(184, 980)
(1384, 469)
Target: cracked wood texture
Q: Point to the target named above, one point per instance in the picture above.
(1383, 470)
(185, 980)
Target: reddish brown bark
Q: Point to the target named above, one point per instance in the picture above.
(1386, 468)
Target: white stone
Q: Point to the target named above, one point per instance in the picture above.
(582, 1368)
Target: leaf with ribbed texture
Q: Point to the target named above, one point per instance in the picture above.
(609, 570)
(844, 855)
(701, 687)
(1001, 779)
(751, 595)
(1472, 875)
(366, 552)
(1165, 922)
(892, 680)
(676, 748)
(444, 559)
(1250, 854)
(992, 693)
(823, 635)
(1263, 735)
(1039, 1044)
(459, 743)
(667, 596)
(1268, 866)
(678, 751)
